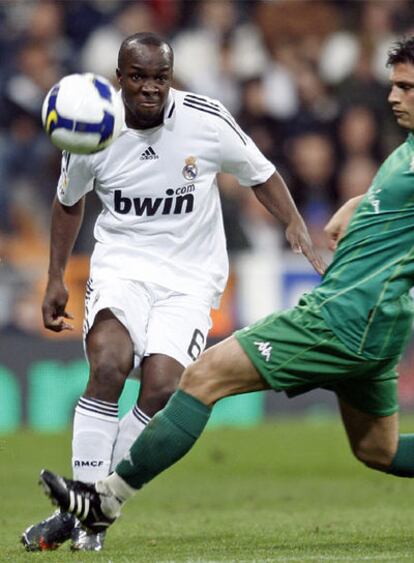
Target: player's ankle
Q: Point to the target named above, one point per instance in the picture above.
(116, 488)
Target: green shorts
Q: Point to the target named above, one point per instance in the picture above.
(295, 351)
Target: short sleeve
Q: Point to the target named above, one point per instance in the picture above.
(239, 154)
(76, 178)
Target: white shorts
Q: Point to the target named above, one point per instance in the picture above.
(159, 320)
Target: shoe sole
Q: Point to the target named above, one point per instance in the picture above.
(76, 549)
(41, 546)
(27, 545)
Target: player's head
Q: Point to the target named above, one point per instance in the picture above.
(145, 65)
(401, 52)
(401, 98)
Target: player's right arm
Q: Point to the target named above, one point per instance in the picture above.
(76, 179)
(66, 222)
(336, 227)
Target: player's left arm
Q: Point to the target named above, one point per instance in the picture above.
(241, 157)
(275, 196)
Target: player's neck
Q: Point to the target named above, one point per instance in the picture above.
(135, 122)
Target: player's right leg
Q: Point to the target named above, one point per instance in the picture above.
(95, 426)
(50, 533)
(369, 409)
(376, 441)
(110, 355)
(373, 439)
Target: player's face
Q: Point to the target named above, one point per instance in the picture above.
(145, 78)
(401, 96)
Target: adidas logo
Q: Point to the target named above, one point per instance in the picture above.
(149, 154)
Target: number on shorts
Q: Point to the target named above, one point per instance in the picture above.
(196, 344)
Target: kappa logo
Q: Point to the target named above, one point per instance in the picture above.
(373, 192)
(265, 349)
(128, 458)
(149, 154)
(64, 177)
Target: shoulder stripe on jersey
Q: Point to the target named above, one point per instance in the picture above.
(195, 98)
(171, 111)
(198, 100)
(204, 102)
(217, 114)
(209, 103)
(66, 158)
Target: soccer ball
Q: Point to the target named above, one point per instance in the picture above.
(82, 113)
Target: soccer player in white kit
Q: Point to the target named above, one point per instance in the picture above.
(159, 262)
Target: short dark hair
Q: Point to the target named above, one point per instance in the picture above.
(401, 52)
(144, 38)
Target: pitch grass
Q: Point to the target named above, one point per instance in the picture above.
(284, 491)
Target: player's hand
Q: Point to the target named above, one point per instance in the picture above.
(336, 227)
(301, 243)
(54, 311)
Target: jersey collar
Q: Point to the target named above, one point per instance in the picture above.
(169, 110)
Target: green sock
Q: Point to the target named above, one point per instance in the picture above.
(403, 463)
(166, 439)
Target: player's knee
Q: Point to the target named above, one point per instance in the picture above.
(374, 455)
(200, 380)
(106, 379)
(156, 394)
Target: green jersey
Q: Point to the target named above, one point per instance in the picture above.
(365, 293)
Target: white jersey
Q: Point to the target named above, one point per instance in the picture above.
(161, 220)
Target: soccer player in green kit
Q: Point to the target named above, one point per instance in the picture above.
(347, 335)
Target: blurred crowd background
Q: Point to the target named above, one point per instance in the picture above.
(306, 79)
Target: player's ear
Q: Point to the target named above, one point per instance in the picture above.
(119, 76)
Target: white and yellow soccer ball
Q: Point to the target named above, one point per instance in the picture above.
(82, 113)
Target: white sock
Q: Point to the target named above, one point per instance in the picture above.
(95, 427)
(130, 427)
(114, 493)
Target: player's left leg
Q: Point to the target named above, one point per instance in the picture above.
(375, 440)
(159, 378)
(175, 336)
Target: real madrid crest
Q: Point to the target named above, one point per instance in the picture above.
(64, 177)
(190, 169)
(63, 183)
